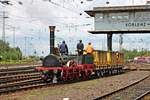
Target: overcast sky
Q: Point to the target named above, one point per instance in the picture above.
(31, 19)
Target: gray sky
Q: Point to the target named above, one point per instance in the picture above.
(33, 17)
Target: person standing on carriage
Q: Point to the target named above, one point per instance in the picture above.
(63, 48)
(80, 47)
(89, 48)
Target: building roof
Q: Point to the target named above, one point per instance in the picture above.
(118, 9)
(119, 31)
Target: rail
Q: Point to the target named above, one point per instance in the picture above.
(121, 89)
(143, 95)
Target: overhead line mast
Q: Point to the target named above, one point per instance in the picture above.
(3, 28)
(120, 41)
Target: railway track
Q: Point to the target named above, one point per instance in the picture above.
(23, 78)
(19, 78)
(12, 71)
(130, 92)
(144, 96)
(14, 79)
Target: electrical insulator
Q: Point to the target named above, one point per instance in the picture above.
(107, 2)
(19, 2)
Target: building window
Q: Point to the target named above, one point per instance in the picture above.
(142, 15)
(113, 17)
(119, 16)
(99, 17)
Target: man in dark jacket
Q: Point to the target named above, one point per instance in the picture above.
(63, 48)
(80, 48)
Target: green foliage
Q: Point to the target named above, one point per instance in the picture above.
(130, 54)
(7, 53)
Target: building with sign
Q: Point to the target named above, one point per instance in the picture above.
(120, 19)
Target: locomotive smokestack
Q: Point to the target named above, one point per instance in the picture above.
(52, 38)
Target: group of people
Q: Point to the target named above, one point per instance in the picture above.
(63, 48)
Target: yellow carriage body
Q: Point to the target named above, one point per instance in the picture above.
(107, 58)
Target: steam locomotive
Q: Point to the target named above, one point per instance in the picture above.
(73, 67)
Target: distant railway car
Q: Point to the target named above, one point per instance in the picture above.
(98, 64)
(142, 59)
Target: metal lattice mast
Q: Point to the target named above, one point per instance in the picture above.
(3, 25)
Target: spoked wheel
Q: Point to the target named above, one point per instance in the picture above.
(83, 75)
(102, 73)
(98, 74)
(110, 72)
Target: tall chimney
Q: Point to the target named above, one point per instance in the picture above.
(52, 38)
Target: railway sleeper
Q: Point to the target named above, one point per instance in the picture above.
(16, 79)
(7, 82)
(17, 72)
(21, 86)
(18, 83)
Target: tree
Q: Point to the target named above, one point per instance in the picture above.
(130, 54)
(8, 53)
